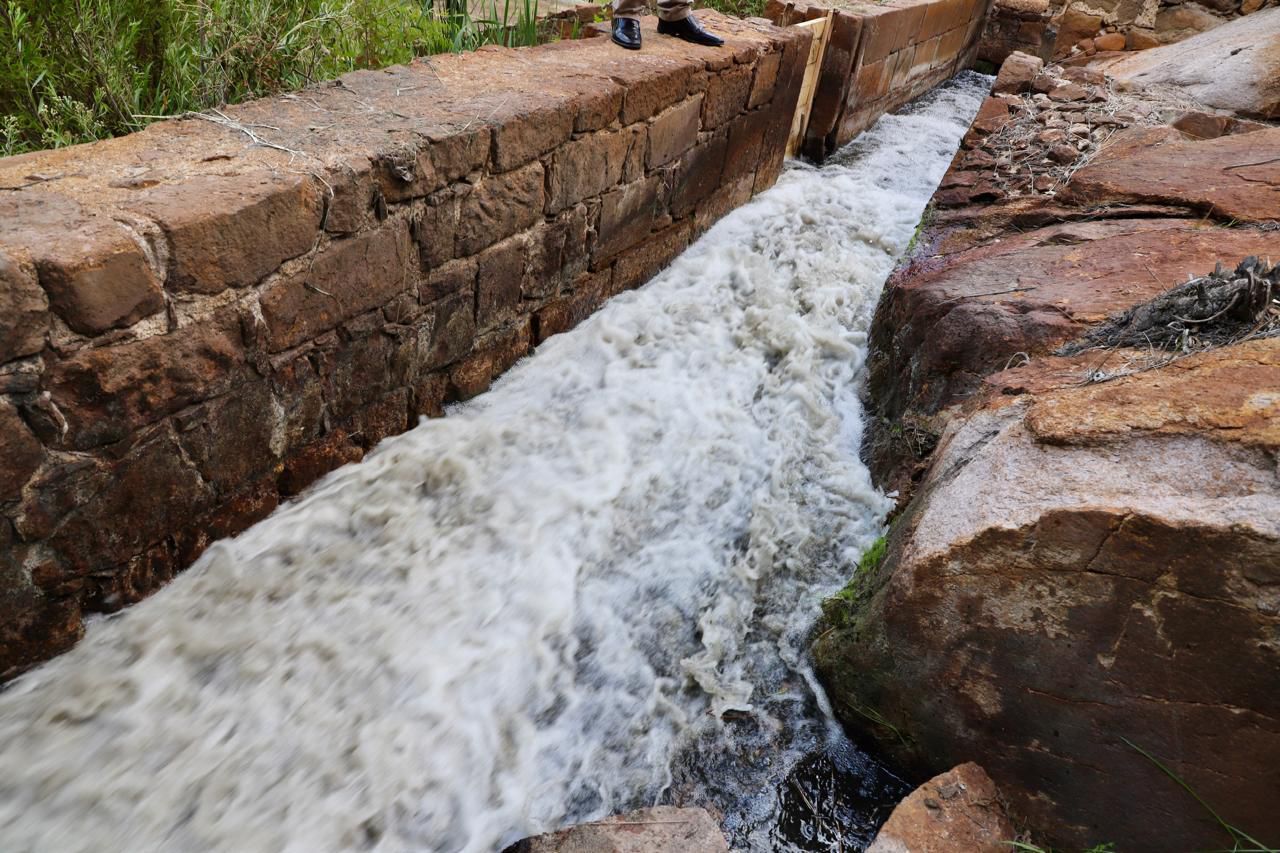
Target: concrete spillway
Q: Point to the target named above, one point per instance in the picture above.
(585, 590)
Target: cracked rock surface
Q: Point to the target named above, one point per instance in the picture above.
(1086, 556)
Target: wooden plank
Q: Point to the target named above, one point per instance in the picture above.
(821, 28)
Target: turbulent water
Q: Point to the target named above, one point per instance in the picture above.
(586, 590)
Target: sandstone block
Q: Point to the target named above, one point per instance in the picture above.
(627, 215)
(1074, 26)
(498, 207)
(352, 276)
(232, 230)
(106, 394)
(24, 310)
(561, 314)
(453, 332)
(558, 253)
(493, 354)
(95, 274)
(538, 126)
(19, 448)
(453, 277)
(641, 263)
(1110, 41)
(698, 175)
(726, 95)
(435, 227)
(1017, 74)
(586, 167)
(674, 131)
(766, 76)
(498, 285)
(745, 146)
(303, 467)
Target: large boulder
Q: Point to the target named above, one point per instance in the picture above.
(1232, 67)
(1090, 568)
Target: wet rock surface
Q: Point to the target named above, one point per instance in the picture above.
(1086, 562)
(663, 829)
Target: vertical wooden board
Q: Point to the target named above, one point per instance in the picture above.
(821, 28)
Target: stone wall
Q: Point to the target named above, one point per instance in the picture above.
(199, 320)
(1093, 26)
(879, 57)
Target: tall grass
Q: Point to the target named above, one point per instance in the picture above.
(78, 70)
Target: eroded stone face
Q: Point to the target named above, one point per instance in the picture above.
(959, 811)
(662, 829)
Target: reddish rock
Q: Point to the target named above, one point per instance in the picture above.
(95, 273)
(662, 829)
(1140, 40)
(310, 463)
(1231, 178)
(1110, 42)
(587, 167)
(500, 206)
(1183, 21)
(492, 355)
(499, 281)
(106, 394)
(726, 96)
(24, 310)
(1069, 92)
(627, 215)
(232, 230)
(1017, 74)
(353, 276)
(674, 132)
(19, 448)
(959, 811)
(1073, 26)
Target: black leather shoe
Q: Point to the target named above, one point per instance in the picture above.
(688, 29)
(626, 32)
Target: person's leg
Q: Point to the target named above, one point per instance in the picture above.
(675, 20)
(626, 22)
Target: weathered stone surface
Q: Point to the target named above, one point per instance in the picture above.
(662, 829)
(1231, 178)
(1234, 67)
(674, 132)
(586, 167)
(959, 811)
(1185, 20)
(353, 276)
(24, 310)
(1123, 563)
(20, 451)
(232, 230)
(499, 207)
(627, 215)
(96, 275)
(105, 394)
(726, 96)
(945, 324)
(1073, 26)
(498, 285)
(1017, 73)
(698, 174)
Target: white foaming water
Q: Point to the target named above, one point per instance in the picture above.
(530, 611)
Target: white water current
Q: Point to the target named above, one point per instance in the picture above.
(562, 599)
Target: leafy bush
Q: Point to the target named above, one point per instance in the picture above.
(78, 70)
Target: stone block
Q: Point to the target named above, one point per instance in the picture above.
(766, 76)
(382, 418)
(350, 277)
(453, 332)
(586, 167)
(233, 230)
(24, 310)
(295, 384)
(498, 284)
(95, 274)
(641, 263)
(234, 515)
(499, 206)
(493, 355)
(356, 372)
(627, 215)
(453, 277)
(20, 451)
(435, 226)
(656, 85)
(558, 253)
(561, 314)
(872, 81)
(308, 464)
(236, 439)
(530, 131)
(726, 95)
(698, 174)
(745, 145)
(106, 394)
(674, 131)
(884, 32)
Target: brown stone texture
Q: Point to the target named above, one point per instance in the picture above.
(1231, 178)
(192, 327)
(1234, 67)
(1084, 544)
(1017, 74)
(662, 829)
(959, 811)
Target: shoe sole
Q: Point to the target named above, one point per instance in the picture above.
(624, 46)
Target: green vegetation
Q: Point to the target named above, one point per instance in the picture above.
(78, 70)
(739, 8)
(1031, 848)
(867, 565)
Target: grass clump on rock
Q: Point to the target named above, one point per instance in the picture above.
(78, 70)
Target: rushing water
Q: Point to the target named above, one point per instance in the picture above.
(586, 590)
